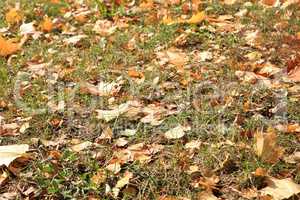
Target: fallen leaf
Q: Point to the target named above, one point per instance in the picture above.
(102, 89)
(270, 2)
(13, 16)
(99, 177)
(9, 129)
(7, 47)
(269, 70)
(10, 152)
(24, 127)
(135, 74)
(121, 142)
(128, 132)
(122, 182)
(114, 167)
(229, 2)
(293, 159)
(74, 39)
(109, 115)
(3, 177)
(104, 27)
(294, 75)
(280, 189)
(197, 18)
(47, 24)
(106, 134)
(206, 195)
(204, 56)
(195, 144)
(288, 128)
(266, 147)
(27, 29)
(175, 133)
(81, 146)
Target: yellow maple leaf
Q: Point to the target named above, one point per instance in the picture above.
(13, 16)
(7, 47)
(47, 25)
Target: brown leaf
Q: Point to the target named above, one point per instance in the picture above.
(266, 147)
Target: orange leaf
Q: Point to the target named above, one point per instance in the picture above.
(47, 24)
(269, 2)
(7, 47)
(13, 16)
(135, 74)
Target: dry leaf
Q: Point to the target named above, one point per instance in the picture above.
(74, 39)
(175, 133)
(102, 89)
(13, 16)
(195, 144)
(121, 142)
(99, 177)
(128, 132)
(121, 183)
(104, 27)
(294, 158)
(206, 195)
(289, 128)
(114, 167)
(266, 147)
(270, 2)
(3, 177)
(109, 115)
(197, 18)
(7, 47)
(294, 75)
(280, 189)
(10, 152)
(106, 134)
(229, 2)
(47, 25)
(81, 146)
(27, 29)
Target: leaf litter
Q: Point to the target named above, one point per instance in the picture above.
(131, 119)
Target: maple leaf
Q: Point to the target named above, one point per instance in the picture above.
(7, 47)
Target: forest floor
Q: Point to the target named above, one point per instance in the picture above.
(167, 100)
